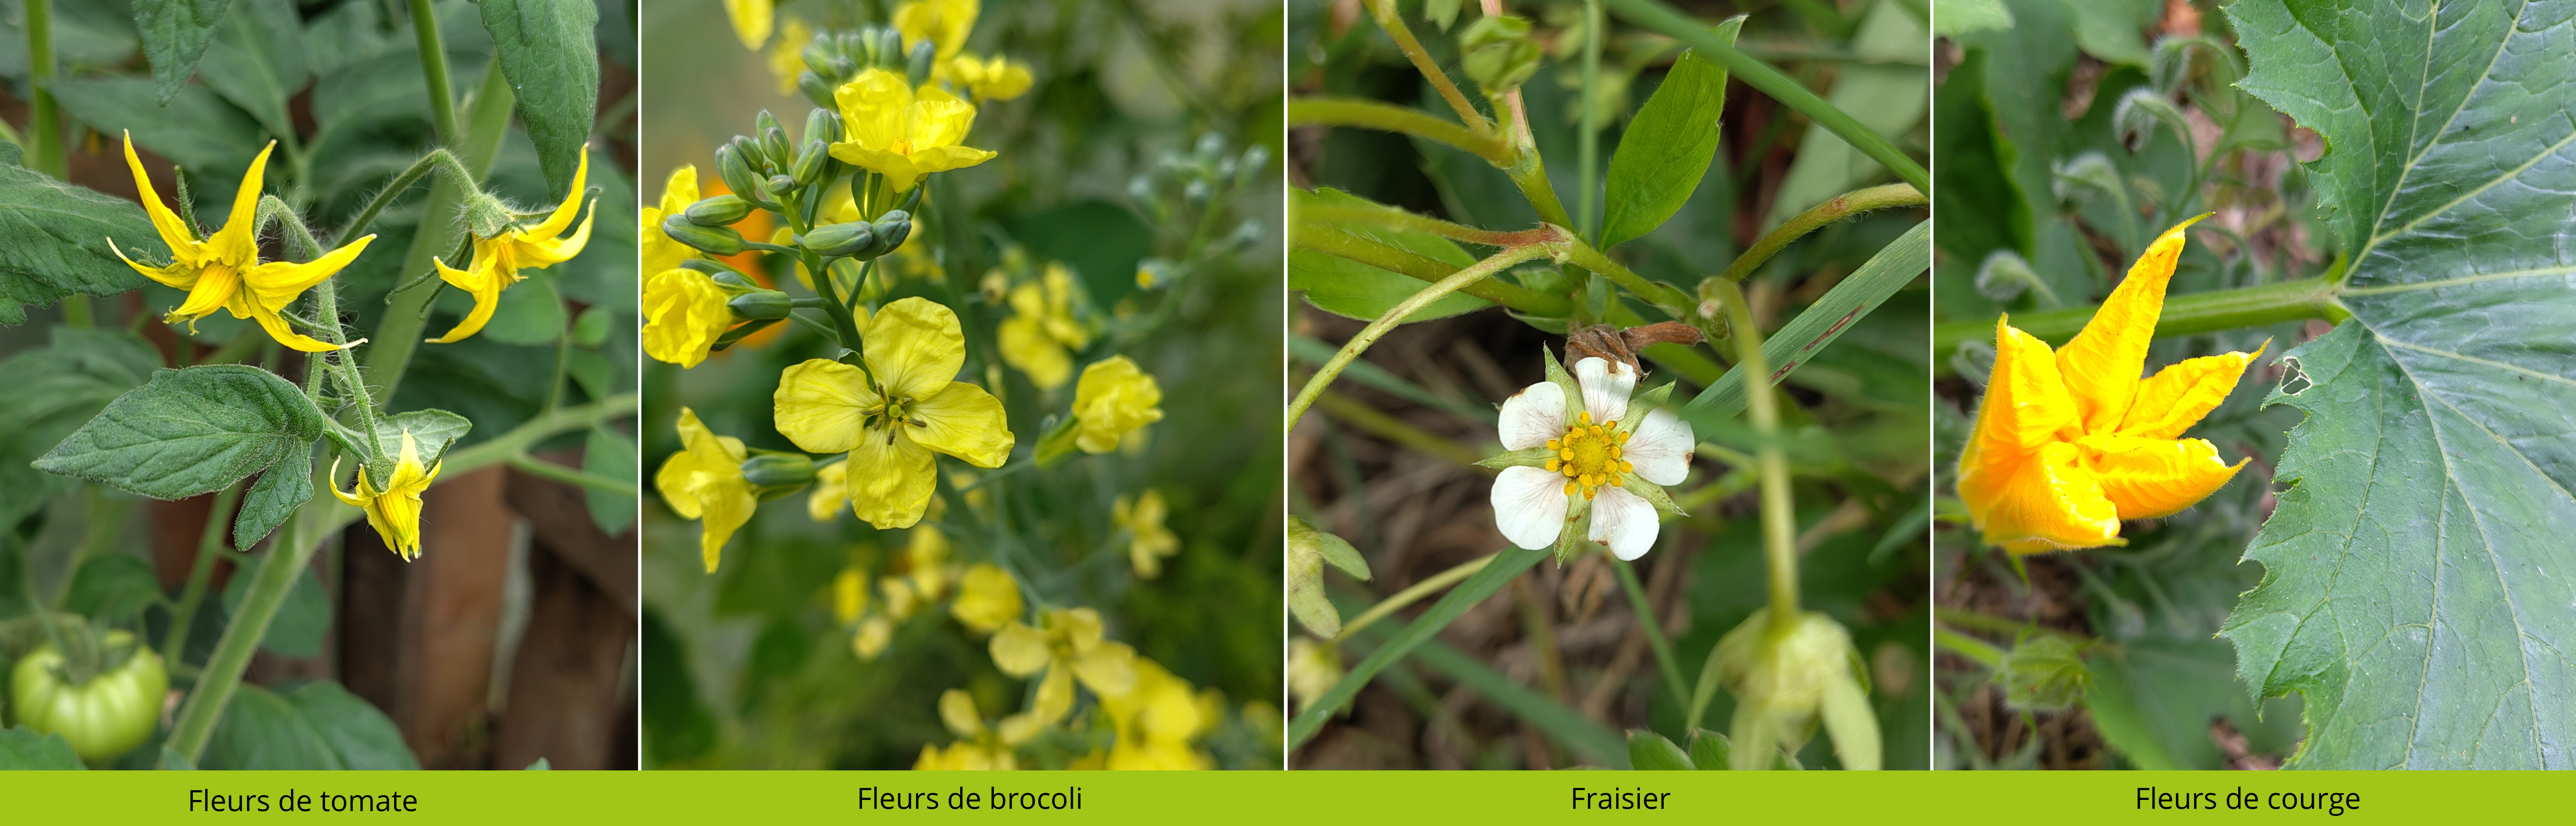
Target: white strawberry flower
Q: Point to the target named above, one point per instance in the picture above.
(1579, 461)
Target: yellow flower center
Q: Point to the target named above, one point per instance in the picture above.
(886, 415)
(1590, 455)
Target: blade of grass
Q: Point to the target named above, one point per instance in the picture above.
(1592, 742)
(1484, 583)
(1890, 270)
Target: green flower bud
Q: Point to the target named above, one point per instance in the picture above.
(917, 65)
(1255, 159)
(888, 51)
(823, 125)
(815, 86)
(760, 304)
(891, 229)
(779, 184)
(1498, 53)
(1785, 679)
(725, 277)
(774, 146)
(840, 239)
(711, 240)
(718, 211)
(778, 470)
(734, 169)
(809, 162)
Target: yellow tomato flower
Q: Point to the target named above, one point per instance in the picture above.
(987, 598)
(395, 511)
(1069, 648)
(895, 415)
(1148, 541)
(704, 481)
(2069, 443)
(498, 259)
(787, 59)
(945, 23)
(998, 78)
(1043, 329)
(684, 313)
(751, 20)
(901, 133)
(223, 271)
(1113, 398)
(660, 252)
(1155, 722)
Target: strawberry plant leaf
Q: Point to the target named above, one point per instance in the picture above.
(2415, 584)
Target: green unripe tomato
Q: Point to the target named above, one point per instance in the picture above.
(103, 718)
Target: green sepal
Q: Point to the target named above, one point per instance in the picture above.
(1532, 457)
(1578, 524)
(1564, 381)
(1057, 443)
(1653, 494)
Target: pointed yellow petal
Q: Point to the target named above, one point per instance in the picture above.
(965, 422)
(2048, 502)
(238, 241)
(214, 288)
(356, 499)
(174, 232)
(277, 329)
(171, 276)
(277, 283)
(2175, 398)
(2102, 364)
(2147, 478)
(562, 217)
(2026, 406)
(484, 282)
(819, 406)
(914, 347)
(547, 251)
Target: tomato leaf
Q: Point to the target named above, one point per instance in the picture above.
(189, 431)
(22, 748)
(175, 35)
(2415, 584)
(53, 391)
(1667, 147)
(281, 489)
(608, 453)
(551, 58)
(263, 731)
(53, 242)
(359, 734)
(258, 62)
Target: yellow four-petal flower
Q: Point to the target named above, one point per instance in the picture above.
(891, 417)
(900, 132)
(1113, 398)
(704, 481)
(2070, 442)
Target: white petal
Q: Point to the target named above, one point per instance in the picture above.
(1533, 416)
(1606, 385)
(1660, 448)
(1624, 522)
(1529, 506)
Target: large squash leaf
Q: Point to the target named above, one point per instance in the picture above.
(2418, 573)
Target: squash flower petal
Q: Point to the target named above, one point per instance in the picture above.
(223, 271)
(498, 259)
(2070, 442)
